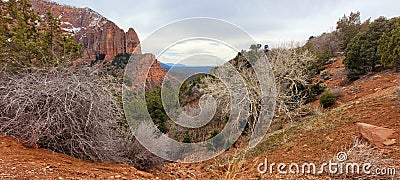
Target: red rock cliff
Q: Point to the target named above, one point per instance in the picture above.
(95, 32)
(153, 76)
(100, 35)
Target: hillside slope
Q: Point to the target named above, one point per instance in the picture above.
(317, 138)
(18, 162)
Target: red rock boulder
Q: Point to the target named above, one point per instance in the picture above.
(376, 135)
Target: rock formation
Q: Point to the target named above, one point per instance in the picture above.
(153, 76)
(97, 34)
(100, 36)
(378, 136)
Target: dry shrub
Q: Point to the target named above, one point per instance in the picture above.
(140, 157)
(230, 166)
(362, 152)
(75, 114)
(71, 114)
(292, 68)
(337, 92)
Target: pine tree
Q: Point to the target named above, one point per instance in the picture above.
(348, 27)
(389, 49)
(25, 36)
(27, 40)
(4, 31)
(52, 35)
(362, 53)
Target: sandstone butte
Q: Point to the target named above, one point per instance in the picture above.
(98, 35)
(95, 32)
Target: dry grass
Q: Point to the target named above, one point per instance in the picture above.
(362, 152)
(231, 166)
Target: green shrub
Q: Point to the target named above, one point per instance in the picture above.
(214, 133)
(156, 109)
(317, 89)
(352, 76)
(216, 144)
(327, 99)
(187, 138)
(121, 60)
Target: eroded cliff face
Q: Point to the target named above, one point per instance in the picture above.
(153, 76)
(96, 33)
(101, 36)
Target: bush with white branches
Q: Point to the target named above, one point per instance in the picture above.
(72, 114)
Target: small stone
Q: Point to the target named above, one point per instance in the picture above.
(13, 168)
(329, 139)
(60, 178)
(389, 142)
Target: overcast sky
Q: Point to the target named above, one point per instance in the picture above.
(268, 22)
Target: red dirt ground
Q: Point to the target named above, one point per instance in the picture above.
(19, 162)
(371, 99)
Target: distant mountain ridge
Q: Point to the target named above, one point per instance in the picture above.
(181, 71)
(170, 65)
(176, 65)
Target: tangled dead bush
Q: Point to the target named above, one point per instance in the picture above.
(140, 157)
(71, 114)
(292, 70)
(361, 152)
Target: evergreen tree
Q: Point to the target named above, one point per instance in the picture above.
(348, 27)
(61, 47)
(362, 51)
(4, 30)
(389, 49)
(24, 41)
(156, 109)
(371, 40)
(27, 40)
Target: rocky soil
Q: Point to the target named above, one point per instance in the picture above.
(373, 99)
